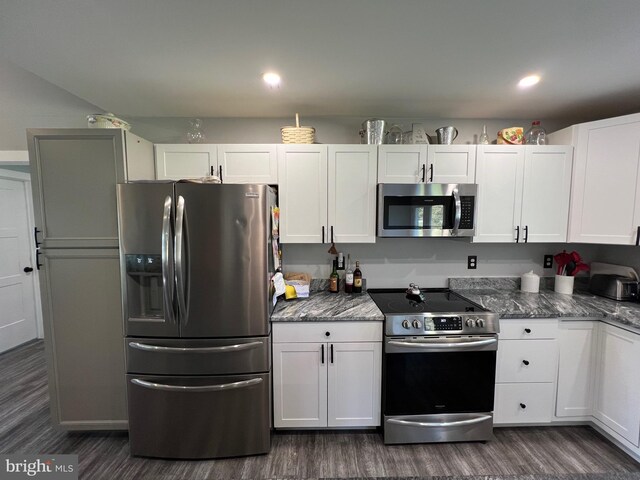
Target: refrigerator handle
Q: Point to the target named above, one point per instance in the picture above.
(167, 253)
(180, 260)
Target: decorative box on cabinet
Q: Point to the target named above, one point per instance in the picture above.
(233, 163)
(426, 163)
(327, 193)
(327, 374)
(523, 193)
(606, 172)
(526, 371)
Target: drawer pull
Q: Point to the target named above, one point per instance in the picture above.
(526, 362)
(523, 406)
(527, 330)
(226, 348)
(199, 388)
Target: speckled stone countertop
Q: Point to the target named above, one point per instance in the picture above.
(323, 306)
(503, 296)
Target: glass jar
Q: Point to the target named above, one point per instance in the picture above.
(536, 135)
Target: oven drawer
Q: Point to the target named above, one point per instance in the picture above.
(327, 332)
(527, 361)
(518, 403)
(528, 329)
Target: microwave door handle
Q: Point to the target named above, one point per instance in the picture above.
(456, 219)
(166, 259)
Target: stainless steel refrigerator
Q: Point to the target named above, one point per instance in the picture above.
(196, 266)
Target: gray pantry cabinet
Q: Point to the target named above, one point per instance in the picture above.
(74, 173)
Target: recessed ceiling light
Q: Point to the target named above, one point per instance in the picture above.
(529, 81)
(272, 79)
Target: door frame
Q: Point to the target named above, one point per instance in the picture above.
(26, 179)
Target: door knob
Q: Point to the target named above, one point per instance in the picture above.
(27, 269)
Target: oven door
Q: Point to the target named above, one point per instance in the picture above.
(438, 389)
(426, 210)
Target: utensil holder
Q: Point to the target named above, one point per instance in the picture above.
(564, 284)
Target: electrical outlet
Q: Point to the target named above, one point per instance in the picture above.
(548, 261)
(472, 262)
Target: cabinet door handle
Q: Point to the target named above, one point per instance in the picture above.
(523, 406)
(212, 174)
(637, 237)
(323, 234)
(36, 231)
(526, 362)
(423, 173)
(220, 168)
(517, 233)
(38, 264)
(332, 353)
(322, 354)
(331, 233)
(431, 174)
(526, 233)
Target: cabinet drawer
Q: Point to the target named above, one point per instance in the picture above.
(523, 403)
(527, 361)
(327, 332)
(528, 329)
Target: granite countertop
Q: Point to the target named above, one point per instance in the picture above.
(323, 306)
(503, 296)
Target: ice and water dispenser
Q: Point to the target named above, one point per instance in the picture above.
(144, 286)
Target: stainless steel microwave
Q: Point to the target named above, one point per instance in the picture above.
(426, 209)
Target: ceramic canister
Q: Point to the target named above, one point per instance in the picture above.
(530, 282)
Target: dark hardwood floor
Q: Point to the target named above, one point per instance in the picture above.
(536, 453)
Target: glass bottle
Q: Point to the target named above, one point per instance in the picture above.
(348, 277)
(357, 279)
(334, 279)
(484, 136)
(195, 134)
(536, 135)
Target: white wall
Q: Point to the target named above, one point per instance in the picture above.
(429, 262)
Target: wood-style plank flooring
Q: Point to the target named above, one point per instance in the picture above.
(525, 453)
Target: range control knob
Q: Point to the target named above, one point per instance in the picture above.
(406, 324)
(417, 324)
(480, 323)
(470, 322)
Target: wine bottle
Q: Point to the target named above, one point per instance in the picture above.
(334, 279)
(357, 279)
(348, 277)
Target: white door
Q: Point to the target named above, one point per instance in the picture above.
(545, 194)
(402, 163)
(499, 175)
(17, 301)
(300, 385)
(248, 164)
(177, 161)
(451, 163)
(354, 394)
(302, 190)
(617, 402)
(352, 193)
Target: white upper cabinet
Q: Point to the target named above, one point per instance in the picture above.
(605, 206)
(426, 163)
(232, 163)
(248, 164)
(451, 163)
(327, 193)
(302, 191)
(523, 193)
(177, 161)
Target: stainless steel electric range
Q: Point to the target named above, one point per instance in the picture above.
(439, 366)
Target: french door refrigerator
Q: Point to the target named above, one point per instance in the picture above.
(196, 266)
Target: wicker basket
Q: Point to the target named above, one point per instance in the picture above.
(298, 134)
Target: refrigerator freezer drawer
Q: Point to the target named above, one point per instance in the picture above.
(198, 417)
(157, 356)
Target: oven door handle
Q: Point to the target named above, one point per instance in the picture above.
(471, 421)
(444, 346)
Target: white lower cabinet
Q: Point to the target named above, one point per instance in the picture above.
(526, 371)
(332, 383)
(617, 392)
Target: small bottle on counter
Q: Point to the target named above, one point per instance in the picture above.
(348, 277)
(357, 279)
(334, 279)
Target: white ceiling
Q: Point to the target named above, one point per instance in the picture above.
(392, 58)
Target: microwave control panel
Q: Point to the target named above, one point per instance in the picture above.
(467, 207)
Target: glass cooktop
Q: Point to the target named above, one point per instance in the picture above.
(437, 300)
